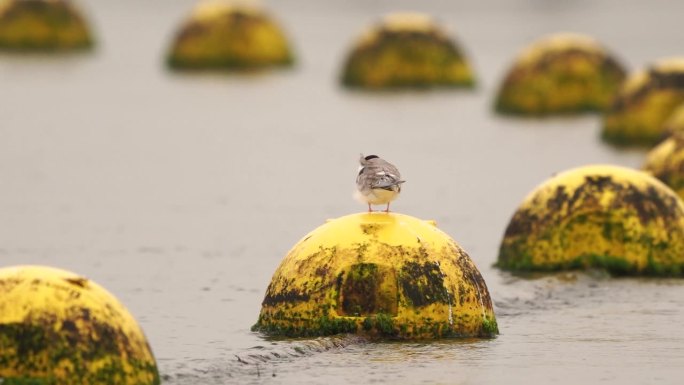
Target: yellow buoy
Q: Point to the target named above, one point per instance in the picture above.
(57, 327)
(231, 35)
(645, 100)
(561, 73)
(609, 217)
(406, 50)
(377, 274)
(32, 25)
(666, 162)
(674, 124)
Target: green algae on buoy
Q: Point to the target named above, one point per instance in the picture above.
(381, 275)
(610, 217)
(560, 74)
(645, 100)
(57, 327)
(229, 35)
(666, 162)
(406, 50)
(42, 25)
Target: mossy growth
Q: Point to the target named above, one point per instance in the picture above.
(229, 35)
(607, 217)
(490, 326)
(666, 162)
(643, 104)
(321, 326)
(27, 381)
(407, 50)
(42, 25)
(59, 328)
(560, 74)
(385, 276)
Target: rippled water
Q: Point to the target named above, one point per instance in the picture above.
(180, 193)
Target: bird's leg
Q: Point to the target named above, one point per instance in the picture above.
(387, 209)
(369, 208)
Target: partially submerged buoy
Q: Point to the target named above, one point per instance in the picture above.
(42, 25)
(57, 327)
(381, 275)
(230, 35)
(560, 74)
(645, 100)
(666, 162)
(406, 50)
(610, 217)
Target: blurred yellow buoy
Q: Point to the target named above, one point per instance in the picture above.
(644, 102)
(562, 73)
(666, 162)
(377, 274)
(601, 216)
(31, 25)
(674, 124)
(60, 328)
(406, 50)
(229, 35)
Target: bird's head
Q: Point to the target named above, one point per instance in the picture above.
(364, 159)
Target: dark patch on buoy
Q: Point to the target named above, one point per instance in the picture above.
(423, 284)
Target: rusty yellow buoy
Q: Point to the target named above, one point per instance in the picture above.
(666, 162)
(229, 35)
(597, 216)
(560, 74)
(57, 327)
(381, 275)
(42, 25)
(406, 50)
(645, 100)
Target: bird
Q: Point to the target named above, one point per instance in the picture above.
(378, 181)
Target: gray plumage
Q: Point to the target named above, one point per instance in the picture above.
(378, 181)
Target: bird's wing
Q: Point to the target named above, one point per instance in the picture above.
(383, 179)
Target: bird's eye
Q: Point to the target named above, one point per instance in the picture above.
(369, 157)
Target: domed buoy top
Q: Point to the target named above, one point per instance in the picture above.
(666, 162)
(238, 35)
(601, 216)
(559, 44)
(644, 102)
(57, 327)
(406, 49)
(560, 73)
(42, 25)
(378, 274)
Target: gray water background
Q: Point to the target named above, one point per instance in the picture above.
(181, 193)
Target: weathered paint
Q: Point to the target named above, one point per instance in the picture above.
(561, 73)
(644, 102)
(666, 162)
(378, 274)
(59, 328)
(229, 35)
(406, 50)
(611, 217)
(30, 25)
